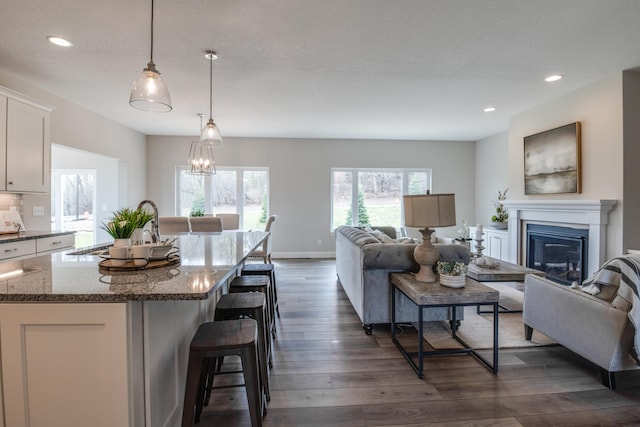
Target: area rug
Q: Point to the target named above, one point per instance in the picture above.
(477, 330)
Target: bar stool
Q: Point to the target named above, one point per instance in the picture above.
(245, 304)
(217, 339)
(257, 284)
(264, 270)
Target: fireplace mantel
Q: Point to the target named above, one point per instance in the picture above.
(591, 214)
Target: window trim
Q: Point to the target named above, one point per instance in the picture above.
(208, 187)
(355, 180)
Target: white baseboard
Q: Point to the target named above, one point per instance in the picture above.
(292, 255)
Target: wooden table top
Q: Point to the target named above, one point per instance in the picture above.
(433, 293)
(507, 272)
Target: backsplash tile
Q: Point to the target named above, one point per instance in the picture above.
(7, 200)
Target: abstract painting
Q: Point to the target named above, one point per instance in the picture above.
(552, 161)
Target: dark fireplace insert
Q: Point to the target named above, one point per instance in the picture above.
(561, 252)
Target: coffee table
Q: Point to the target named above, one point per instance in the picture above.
(507, 272)
(425, 295)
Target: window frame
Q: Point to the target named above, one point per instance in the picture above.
(355, 182)
(208, 188)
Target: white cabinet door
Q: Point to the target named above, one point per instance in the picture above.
(497, 244)
(64, 365)
(28, 161)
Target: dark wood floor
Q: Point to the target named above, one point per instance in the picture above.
(327, 372)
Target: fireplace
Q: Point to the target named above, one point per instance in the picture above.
(589, 215)
(561, 252)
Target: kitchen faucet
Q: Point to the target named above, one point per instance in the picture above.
(155, 233)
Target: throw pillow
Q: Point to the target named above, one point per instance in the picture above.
(406, 240)
(604, 283)
(386, 239)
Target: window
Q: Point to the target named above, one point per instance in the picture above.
(231, 190)
(373, 196)
(73, 199)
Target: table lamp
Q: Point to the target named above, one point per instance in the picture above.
(425, 211)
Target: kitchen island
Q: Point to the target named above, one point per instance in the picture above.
(88, 346)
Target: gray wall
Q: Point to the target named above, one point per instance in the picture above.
(77, 127)
(492, 174)
(300, 178)
(631, 156)
(610, 150)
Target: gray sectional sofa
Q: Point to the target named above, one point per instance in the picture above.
(363, 265)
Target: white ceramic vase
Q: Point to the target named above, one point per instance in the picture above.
(121, 242)
(452, 281)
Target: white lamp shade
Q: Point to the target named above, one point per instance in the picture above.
(429, 210)
(211, 135)
(149, 92)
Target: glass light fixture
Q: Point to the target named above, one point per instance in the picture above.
(201, 160)
(149, 92)
(210, 133)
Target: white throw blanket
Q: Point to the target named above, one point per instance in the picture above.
(622, 272)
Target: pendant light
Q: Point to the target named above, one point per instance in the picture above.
(210, 133)
(201, 161)
(149, 92)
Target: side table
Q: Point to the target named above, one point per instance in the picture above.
(425, 295)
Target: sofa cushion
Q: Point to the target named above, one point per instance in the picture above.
(357, 236)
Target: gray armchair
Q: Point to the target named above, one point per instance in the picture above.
(596, 329)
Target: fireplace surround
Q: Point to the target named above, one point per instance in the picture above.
(590, 215)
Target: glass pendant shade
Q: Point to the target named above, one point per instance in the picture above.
(211, 135)
(201, 161)
(149, 92)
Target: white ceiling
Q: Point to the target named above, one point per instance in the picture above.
(382, 69)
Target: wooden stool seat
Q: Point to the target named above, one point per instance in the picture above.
(217, 339)
(248, 304)
(264, 270)
(258, 283)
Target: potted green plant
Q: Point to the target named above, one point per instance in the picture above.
(499, 219)
(452, 273)
(123, 224)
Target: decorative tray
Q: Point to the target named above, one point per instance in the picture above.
(106, 264)
(491, 265)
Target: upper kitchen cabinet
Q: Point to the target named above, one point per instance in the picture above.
(25, 149)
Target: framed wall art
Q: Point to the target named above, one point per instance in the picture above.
(552, 161)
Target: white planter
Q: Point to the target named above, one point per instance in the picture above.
(452, 281)
(121, 242)
(499, 225)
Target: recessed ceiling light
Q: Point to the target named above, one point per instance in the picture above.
(59, 41)
(489, 109)
(553, 78)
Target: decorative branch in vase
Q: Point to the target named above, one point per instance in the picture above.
(499, 220)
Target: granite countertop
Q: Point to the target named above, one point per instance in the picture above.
(206, 262)
(30, 235)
